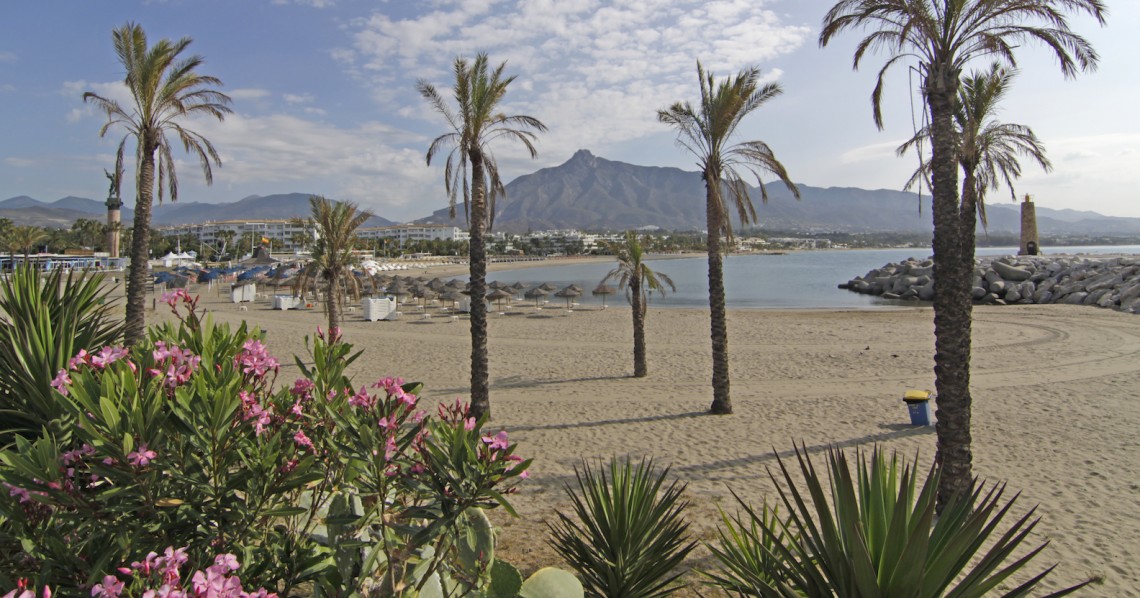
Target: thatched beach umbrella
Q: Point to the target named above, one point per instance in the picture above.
(425, 294)
(536, 293)
(499, 295)
(569, 294)
(453, 296)
(603, 290)
(549, 288)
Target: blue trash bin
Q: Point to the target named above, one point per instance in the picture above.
(918, 404)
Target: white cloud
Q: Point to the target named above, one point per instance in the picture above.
(297, 98)
(605, 67)
(370, 164)
(248, 94)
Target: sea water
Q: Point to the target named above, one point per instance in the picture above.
(794, 280)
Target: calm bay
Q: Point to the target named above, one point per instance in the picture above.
(795, 280)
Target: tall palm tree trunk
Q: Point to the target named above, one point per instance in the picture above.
(721, 404)
(333, 306)
(135, 325)
(480, 372)
(969, 224)
(952, 311)
(640, 370)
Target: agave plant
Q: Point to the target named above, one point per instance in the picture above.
(44, 323)
(876, 534)
(629, 537)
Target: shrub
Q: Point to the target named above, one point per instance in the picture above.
(874, 534)
(47, 320)
(629, 535)
(186, 440)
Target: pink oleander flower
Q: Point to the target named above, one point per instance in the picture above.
(302, 440)
(61, 381)
(22, 493)
(406, 398)
(172, 298)
(107, 356)
(362, 399)
(227, 562)
(110, 588)
(180, 364)
(303, 387)
(80, 359)
(141, 457)
(255, 359)
(469, 424)
(498, 442)
(390, 448)
(389, 384)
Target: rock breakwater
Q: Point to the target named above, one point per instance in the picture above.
(1109, 282)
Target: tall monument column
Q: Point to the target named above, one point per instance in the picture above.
(114, 204)
(1029, 242)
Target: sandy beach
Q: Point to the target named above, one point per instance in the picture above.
(1054, 412)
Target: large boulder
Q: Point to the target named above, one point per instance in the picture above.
(1012, 273)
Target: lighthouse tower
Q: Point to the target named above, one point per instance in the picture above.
(114, 204)
(1029, 242)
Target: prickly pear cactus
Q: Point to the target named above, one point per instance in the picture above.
(550, 582)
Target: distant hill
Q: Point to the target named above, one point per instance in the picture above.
(588, 192)
(254, 207)
(592, 193)
(62, 213)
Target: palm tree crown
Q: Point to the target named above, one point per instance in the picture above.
(707, 132)
(335, 223)
(988, 150)
(945, 35)
(478, 93)
(165, 89)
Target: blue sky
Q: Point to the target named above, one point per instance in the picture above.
(325, 101)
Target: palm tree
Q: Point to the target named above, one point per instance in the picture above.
(23, 238)
(335, 223)
(226, 236)
(638, 280)
(940, 37)
(478, 92)
(165, 90)
(707, 132)
(988, 150)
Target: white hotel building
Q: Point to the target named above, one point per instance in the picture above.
(283, 232)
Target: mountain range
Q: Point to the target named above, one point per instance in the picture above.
(592, 193)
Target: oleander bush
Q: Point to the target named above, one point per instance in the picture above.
(189, 440)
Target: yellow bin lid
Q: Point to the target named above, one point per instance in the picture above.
(917, 395)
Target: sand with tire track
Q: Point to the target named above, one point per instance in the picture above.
(1055, 416)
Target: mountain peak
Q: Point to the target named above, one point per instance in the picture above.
(583, 156)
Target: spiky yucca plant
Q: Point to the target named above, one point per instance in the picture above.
(44, 322)
(876, 534)
(629, 535)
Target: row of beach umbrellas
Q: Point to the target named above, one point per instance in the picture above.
(453, 290)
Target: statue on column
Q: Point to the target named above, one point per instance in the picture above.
(114, 204)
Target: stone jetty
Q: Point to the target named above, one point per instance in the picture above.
(1110, 282)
